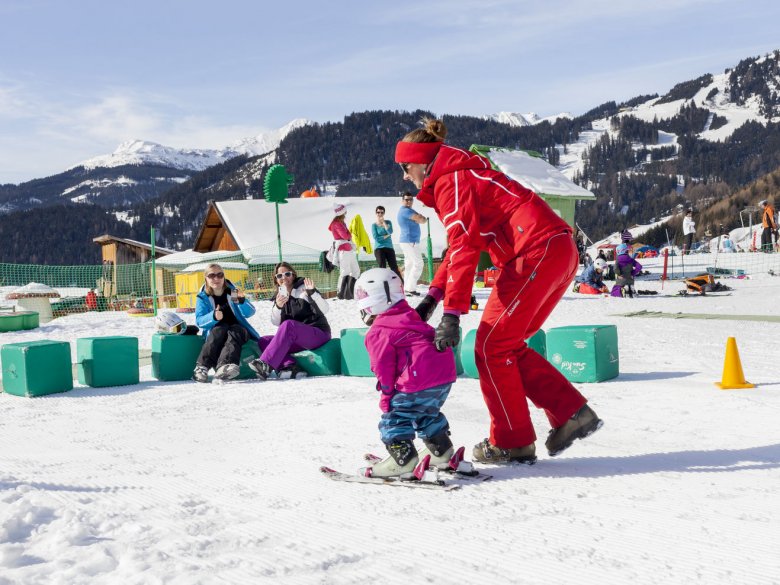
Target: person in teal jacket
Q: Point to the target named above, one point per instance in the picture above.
(382, 232)
(221, 312)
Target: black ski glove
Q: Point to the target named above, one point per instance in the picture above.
(426, 307)
(448, 332)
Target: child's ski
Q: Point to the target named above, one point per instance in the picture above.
(391, 481)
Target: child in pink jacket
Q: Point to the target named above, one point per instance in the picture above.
(412, 376)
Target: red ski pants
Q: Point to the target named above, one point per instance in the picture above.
(527, 290)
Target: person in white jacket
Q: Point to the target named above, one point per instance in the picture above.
(689, 229)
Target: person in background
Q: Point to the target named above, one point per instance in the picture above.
(770, 226)
(726, 245)
(689, 229)
(346, 256)
(299, 311)
(221, 312)
(626, 268)
(591, 280)
(413, 378)
(483, 209)
(382, 232)
(410, 221)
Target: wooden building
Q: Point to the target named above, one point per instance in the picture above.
(214, 232)
(119, 256)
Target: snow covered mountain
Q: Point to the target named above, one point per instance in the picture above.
(136, 171)
(141, 152)
(519, 120)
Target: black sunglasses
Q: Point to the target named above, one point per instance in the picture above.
(281, 275)
(213, 275)
(380, 212)
(405, 167)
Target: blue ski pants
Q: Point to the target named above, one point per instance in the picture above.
(415, 413)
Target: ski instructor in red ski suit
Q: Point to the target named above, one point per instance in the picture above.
(483, 209)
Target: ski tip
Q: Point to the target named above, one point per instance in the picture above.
(325, 469)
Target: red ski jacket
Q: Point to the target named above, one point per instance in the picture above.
(481, 209)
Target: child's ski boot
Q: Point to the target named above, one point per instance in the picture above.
(444, 456)
(401, 463)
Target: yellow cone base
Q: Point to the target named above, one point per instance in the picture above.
(734, 386)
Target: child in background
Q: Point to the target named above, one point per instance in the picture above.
(626, 268)
(591, 281)
(413, 377)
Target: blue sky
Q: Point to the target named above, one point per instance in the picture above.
(79, 77)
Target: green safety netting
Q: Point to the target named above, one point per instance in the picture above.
(177, 278)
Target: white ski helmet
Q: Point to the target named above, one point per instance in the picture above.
(170, 322)
(376, 291)
(600, 264)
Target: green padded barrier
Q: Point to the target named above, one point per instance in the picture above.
(537, 342)
(11, 322)
(30, 319)
(36, 368)
(584, 353)
(249, 352)
(107, 361)
(174, 356)
(323, 361)
(354, 355)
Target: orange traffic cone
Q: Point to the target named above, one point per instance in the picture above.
(733, 378)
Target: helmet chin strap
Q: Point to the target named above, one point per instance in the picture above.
(387, 291)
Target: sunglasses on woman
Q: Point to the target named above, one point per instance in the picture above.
(405, 167)
(215, 275)
(282, 275)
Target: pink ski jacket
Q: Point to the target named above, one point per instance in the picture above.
(340, 231)
(403, 357)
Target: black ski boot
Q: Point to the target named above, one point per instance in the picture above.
(440, 449)
(261, 369)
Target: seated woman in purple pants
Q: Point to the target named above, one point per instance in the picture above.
(299, 311)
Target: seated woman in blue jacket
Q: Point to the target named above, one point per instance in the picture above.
(591, 281)
(221, 312)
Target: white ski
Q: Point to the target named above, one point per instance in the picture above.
(389, 481)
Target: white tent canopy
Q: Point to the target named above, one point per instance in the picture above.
(536, 174)
(252, 223)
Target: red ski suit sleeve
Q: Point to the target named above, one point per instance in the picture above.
(457, 206)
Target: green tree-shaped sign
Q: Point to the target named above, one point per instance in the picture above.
(275, 187)
(276, 184)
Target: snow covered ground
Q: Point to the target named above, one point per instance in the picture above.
(186, 483)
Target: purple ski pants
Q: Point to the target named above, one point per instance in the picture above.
(291, 337)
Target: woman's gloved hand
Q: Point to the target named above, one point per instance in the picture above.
(448, 332)
(426, 307)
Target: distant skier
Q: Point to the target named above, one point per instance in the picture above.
(413, 377)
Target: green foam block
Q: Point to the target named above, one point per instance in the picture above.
(584, 353)
(36, 368)
(107, 361)
(174, 356)
(323, 361)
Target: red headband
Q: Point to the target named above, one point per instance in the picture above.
(416, 152)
